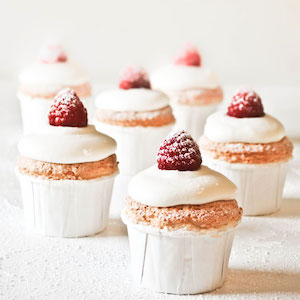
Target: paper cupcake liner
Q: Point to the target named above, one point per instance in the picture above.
(260, 187)
(192, 118)
(35, 112)
(119, 195)
(66, 208)
(179, 262)
(137, 146)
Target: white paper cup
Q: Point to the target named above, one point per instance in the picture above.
(119, 195)
(35, 112)
(192, 118)
(179, 262)
(137, 146)
(66, 208)
(260, 186)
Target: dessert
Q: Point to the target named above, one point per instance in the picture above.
(181, 218)
(67, 172)
(138, 117)
(194, 90)
(251, 149)
(40, 83)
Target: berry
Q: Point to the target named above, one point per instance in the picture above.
(189, 57)
(246, 104)
(134, 78)
(52, 53)
(67, 110)
(179, 152)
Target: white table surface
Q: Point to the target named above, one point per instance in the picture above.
(264, 264)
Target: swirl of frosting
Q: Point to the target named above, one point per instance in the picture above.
(131, 100)
(178, 77)
(163, 188)
(53, 75)
(222, 128)
(67, 145)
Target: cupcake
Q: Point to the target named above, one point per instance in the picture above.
(194, 90)
(251, 149)
(67, 172)
(138, 117)
(40, 83)
(181, 218)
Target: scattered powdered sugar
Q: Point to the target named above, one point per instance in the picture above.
(264, 262)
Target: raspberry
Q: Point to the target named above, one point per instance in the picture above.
(189, 57)
(246, 104)
(179, 152)
(134, 78)
(67, 110)
(52, 53)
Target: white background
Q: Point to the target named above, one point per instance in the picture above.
(248, 41)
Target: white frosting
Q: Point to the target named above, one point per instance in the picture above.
(225, 129)
(131, 100)
(53, 75)
(175, 77)
(162, 188)
(67, 145)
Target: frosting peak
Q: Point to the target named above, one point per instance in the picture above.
(131, 100)
(222, 128)
(53, 76)
(178, 77)
(163, 188)
(67, 145)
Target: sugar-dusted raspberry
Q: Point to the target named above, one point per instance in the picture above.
(134, 78)
(67, 110)
(51, 53)
(179, 152)
(246, 104)
(189, 56)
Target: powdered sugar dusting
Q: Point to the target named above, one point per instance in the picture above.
(179, 152)
(245, 104)
(264, 263)
(189, 56)
(67, 110)
(134, 77)
(52, 52)
(67, 98)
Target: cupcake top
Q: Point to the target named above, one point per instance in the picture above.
(179, 178)
(68, 139)
(52, 71)
(186, 72)
(134, 94)
(245, 121)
